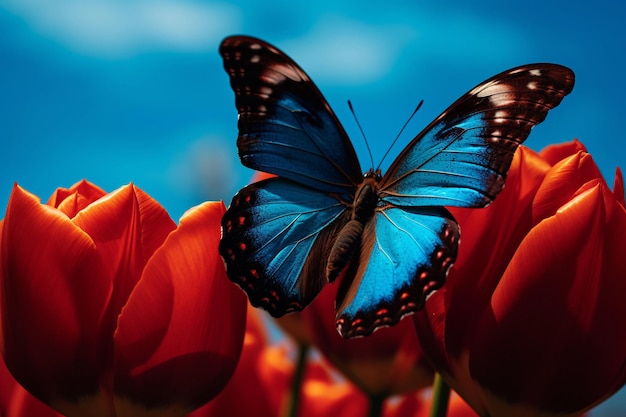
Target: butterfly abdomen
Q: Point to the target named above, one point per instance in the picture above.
(341, 254)
(349, 238)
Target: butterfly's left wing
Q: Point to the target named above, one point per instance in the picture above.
(462, 157)
(277, 233)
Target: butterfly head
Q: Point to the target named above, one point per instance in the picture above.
(376, 175)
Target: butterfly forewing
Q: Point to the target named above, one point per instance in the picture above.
(462, 157)
(286, 127)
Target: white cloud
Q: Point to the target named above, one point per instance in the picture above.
(343, 51)
(115, 28)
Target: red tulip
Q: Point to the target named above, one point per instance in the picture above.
(262, 382)
(528, 322)
(387, 362)
(109, 308)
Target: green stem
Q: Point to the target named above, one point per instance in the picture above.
(441, 396)
(296, 383)
(376, 405)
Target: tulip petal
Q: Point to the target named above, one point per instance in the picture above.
(180, 335)
(127, 227)
(54, 292)
(618, 187)
(259, 384)
(562, 301)
(561, 182)
(15, 401)
(77, 197)
(552, 154)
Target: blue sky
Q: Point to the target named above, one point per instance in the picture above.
(133, 90)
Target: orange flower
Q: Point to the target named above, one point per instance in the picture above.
(528, 321)
(108, 306)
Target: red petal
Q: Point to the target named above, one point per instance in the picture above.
(544, 342)
(15, 401)
(180, 335)
(77, 197)
(555, 153)
(127, 226)
(261, 380)
(561, 182)
(260, 176)
(54, 291)
(618, 187)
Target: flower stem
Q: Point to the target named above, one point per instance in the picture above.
(441, 396)
(376, 405)
(296, 383)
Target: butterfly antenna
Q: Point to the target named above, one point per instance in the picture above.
(362, 132)
(400, 133)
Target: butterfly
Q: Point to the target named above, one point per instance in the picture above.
(388, 236)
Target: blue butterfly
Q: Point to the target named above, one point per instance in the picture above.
(388, 236)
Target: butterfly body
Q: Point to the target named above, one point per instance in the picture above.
(348, 240)
(388, 236)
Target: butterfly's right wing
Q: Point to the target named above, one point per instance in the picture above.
(276, 237)
(462, 157)
(286, 127)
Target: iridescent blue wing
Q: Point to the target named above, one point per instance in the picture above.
(276, 236)
(286, 127)
(404, 255)
(462, 157)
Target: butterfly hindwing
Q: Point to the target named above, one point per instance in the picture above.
(404, 254)
(462, 157)
(274, 234)
(286, 127)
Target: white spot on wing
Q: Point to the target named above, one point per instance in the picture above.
(501, 116)
(494, 88)
(287, 71)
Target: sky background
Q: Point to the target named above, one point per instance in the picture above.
(134, 90)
